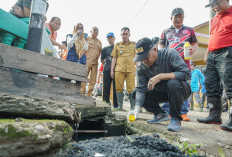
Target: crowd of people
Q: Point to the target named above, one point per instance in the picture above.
(156, 70)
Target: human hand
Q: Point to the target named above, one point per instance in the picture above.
(191, 51)
(18, 11)
(59, 45)
(134, 112)
(153, 81)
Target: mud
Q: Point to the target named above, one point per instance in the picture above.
(124, 146)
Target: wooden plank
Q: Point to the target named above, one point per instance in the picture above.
(13, 57)
(31, 85)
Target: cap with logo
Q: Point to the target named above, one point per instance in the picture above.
(110, 34)
(143, 47)
(177, 11)
(211, 2)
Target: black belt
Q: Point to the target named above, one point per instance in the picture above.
(220, 50)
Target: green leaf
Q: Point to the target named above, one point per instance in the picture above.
(222, 154)
(129, 138)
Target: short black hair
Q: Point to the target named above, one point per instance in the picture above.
(125, 28)
(64, 42)
(53, 18)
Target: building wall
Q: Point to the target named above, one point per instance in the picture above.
(202, 34)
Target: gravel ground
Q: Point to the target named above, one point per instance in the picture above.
(123, 146)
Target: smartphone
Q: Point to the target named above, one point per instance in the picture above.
(84, 35)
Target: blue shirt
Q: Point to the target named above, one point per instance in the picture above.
(196, 78)
(73, 57)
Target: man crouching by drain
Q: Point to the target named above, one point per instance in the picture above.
(162, 76)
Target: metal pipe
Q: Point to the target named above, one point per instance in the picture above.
(91, 131)
(36, 25)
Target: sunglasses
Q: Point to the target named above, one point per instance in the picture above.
(79, 27)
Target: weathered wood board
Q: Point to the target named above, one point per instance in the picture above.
(31, 85)
(13, 57)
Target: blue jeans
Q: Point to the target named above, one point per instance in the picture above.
(184, 109)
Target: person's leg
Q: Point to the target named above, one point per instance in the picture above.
(198, 100)
(83, 84)
(226, 78)
(191, 102)
(130, 85)
(185, 107)
(115, 102)
(177, 92)
(166, 107)
(92, 80)
(184, 110)
(106, 86)
(119, 83)
(151, 104)
(212, 84)
(224, 102)
(203, 100)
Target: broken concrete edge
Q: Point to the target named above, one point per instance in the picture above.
(20, 106)
(24, 137)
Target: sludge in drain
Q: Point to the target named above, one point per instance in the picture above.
(134, 146)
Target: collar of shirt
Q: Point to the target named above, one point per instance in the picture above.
(177, 30)
(127, 43)
(227, 11)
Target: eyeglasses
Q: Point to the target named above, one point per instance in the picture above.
(79, 27)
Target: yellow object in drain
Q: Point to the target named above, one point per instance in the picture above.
(131, 118)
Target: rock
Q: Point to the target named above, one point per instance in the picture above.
(11, 105)
(228, 147)
(39, 128)
(31, 137)
(35, 108)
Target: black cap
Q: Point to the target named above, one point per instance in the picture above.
(155, 40)
(177, 11)
(210, 3)
(143, 47)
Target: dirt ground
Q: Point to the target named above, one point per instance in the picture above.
(210, 135)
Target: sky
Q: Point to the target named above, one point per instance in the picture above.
(145, 18)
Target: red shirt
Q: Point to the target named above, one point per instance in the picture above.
(101, 67)
(221, 31)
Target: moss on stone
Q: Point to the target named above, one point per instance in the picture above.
(12, 132)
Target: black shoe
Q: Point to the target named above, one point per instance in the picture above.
(214, 116)
(227, 126)
(161, 117)
(210, 120)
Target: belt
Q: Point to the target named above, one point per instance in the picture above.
(220, 50)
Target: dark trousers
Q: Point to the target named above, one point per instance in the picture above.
(107, 80)
(219, 70)
(173, 91)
